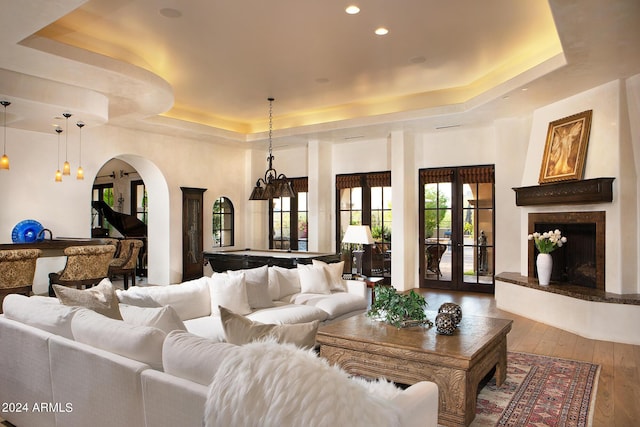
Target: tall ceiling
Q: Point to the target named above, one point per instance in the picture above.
(208, 66)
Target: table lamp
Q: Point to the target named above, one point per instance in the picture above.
(359, 235)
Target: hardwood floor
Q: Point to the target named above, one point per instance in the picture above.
(618, 396)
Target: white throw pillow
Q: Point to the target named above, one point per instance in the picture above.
(230, 292)
(334, 274)
(164, 318)
(189, 299)
(141, 343)
(313, 279)
(257, 282)
(192, 357)
(287, 279)
(40, 312)
(274, 286)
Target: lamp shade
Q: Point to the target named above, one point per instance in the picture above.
(360, 234)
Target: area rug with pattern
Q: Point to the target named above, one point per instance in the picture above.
(539, 391)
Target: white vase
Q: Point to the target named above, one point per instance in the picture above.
(544, 263)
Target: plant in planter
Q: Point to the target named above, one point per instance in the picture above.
(398, 309)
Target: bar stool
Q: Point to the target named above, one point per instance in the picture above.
(17, 269)
(86, 266)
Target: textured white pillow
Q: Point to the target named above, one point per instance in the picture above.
(334, 274)
(164, 318)
(288, 280)
(313, 279)
(192, 357)
(230, 292)
(189, 299)
(240, 330)
(101, 298)
(40, 312)
(141, 343)
(257, 282)
(291, 378)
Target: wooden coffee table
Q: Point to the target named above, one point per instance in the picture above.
(456, 363)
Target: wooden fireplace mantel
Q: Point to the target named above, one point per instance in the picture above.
(596, 190)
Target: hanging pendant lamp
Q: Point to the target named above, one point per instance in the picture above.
(66, 168)
(80, 173)
(58, 173)
(4, 161)
(274, 185)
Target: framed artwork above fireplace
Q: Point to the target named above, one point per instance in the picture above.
(565, 150)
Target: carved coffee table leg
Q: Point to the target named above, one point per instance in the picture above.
(501, 367)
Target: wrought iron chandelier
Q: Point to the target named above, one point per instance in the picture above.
(274, 185)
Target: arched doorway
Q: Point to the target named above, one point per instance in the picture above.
(125, 173)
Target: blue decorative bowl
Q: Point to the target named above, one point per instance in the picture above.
(27, 232)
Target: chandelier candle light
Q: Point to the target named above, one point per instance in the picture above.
(58, 173)
(274, 185)
(66, 168)
(546, 243)
(4, 161)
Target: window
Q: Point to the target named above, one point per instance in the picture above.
(222, 222)
(288, 219)
(99, 224)
(139, 206)
(366, 199)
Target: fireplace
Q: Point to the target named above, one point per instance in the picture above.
(582, 260)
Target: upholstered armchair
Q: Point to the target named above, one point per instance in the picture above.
(86, 266)
(126, 261)
(17, 268)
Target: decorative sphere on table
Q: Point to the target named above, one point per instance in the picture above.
(453, 309)
(445, 324)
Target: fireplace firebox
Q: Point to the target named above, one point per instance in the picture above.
(582, 260)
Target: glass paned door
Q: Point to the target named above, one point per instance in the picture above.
(437, 231)
(457, 228)
(478, 233)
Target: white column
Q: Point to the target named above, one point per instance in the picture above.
(320, 197)
(404, 224)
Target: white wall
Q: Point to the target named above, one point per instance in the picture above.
(165, 164)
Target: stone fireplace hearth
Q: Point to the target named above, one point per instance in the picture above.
(577, 300)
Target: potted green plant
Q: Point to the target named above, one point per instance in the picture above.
(399, 310)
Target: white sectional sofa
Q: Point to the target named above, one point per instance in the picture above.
(265, 294)
(70, 366)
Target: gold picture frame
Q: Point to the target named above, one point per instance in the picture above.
(566, 148)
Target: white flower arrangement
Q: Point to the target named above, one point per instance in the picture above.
(548, 241)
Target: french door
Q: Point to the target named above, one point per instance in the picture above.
(457, 228)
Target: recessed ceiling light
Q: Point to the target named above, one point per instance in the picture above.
(352, 9)
(169, 12)
(381, 31)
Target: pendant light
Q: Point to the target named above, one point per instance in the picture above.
(58, 173)
(66, 168)
(4, 161)
(80, 173)
(274, 185)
